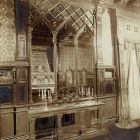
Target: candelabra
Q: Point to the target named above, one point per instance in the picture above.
(45, 94)
(88, 91)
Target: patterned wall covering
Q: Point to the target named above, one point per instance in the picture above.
(7, 31)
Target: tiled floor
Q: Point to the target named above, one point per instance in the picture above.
(120, 134)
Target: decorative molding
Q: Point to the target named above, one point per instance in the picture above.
(14, 64)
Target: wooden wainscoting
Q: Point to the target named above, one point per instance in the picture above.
(109, 111)
(21, 121)
(7, 122)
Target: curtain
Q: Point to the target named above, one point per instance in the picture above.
(133, 81)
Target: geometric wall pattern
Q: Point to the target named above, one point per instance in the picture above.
(7, 31)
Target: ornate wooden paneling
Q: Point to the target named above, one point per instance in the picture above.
(22, 74)
(7, 123)
(22, 121)
(107, 92)
(100, 81)
(110, 110)
(22, 85)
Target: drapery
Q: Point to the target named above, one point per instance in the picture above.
(132, 80)
(133, 84)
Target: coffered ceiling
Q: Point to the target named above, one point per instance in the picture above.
(57, 13)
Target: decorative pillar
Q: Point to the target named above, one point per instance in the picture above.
(98, 52)
(95, 34)
(107, 38)
(93, 54)
(55, 61)
(76, 62)
(29, 44)
(14, 84)
(21, 16)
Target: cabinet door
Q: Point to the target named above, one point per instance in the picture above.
(22, 85)
(21, 121)
(7, 124)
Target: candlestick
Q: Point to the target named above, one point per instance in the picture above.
(82, 91)
(92, 91)
(39, 93)
(42, 94)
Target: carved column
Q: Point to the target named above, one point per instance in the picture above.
(55, 61)
(29, 46)
(21, 15)
(98, 52)
(14, 84)
(76, 61)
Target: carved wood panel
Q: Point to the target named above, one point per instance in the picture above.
(22, 85)
(22, 116)
(110, 110)
(7, 124)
